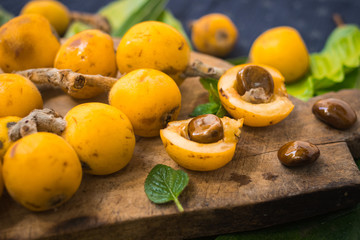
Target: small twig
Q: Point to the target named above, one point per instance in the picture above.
(39, 120)
(73, 82)
(95, 20)
(338, 20)
(67, 79)
(200, 69)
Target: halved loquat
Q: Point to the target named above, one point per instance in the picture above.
(200, 156)
(256, 93)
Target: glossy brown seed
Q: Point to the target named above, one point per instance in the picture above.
(335, 112)
(255, 82)
(298, 153)
(206, 128)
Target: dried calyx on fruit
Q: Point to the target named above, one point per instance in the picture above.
(255, 84)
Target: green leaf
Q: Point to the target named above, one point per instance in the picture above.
(164, 184)
(146, 12)
(214, 105)
(238, 60)
(302, 89)
(118, 12)
(221, 112)
(123, 14)
(351, 81)
(167, 17)
(75, 28)
(206, 108)
(332, 68)
(4, 16)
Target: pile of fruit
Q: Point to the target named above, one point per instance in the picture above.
(43, 170)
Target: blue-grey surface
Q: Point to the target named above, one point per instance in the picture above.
(313, 18)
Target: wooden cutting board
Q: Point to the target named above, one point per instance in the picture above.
(253, 191)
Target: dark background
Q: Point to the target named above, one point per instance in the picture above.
(312, 18)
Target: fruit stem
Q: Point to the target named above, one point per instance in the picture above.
(200, 69)
(338, 20)
(39, 120)
(67, 79)
(95, 20)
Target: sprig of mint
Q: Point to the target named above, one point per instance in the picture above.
(164, 184)
(214, 105)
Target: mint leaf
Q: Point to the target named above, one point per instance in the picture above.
(206, 108)
(214, 105)
(164, 184)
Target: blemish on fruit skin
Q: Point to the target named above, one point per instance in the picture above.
(148, 121)
(1, 145)
(75, 43)
(240, 178)
(127, 137)
(95, 154)
(130, 129)
(47, 189)
(74, 120)
(13, 150)
(223, 93)
(181, 46)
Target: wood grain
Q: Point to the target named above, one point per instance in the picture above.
(253, 191)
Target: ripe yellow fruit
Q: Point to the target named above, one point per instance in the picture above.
(149, 98)
(18, 96)
(284, 49)
(5, 142)
(55, 12)
(255, 115)
(201, 156)
(41, 171)
(27, 41)
(155, 45)
(214, 34)
(88, 52)
(101, 135)
(1, 180)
